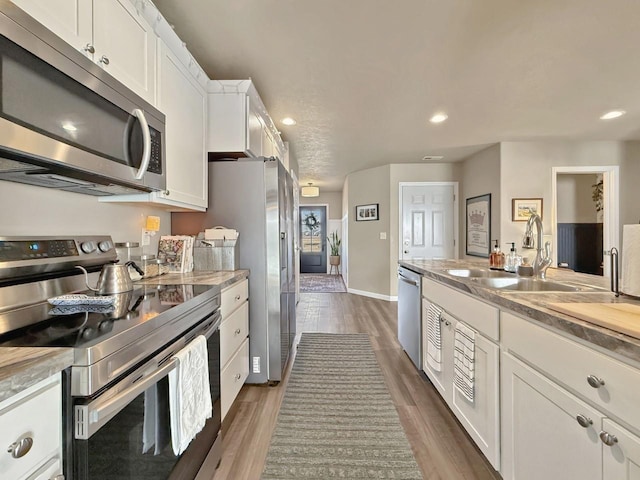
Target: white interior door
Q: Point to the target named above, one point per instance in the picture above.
(428, 221)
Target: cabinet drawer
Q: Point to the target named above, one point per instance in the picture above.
(232, 297)
(49, 470)
(38, 416)
(233, 376)
(571, 363)
(478, 315)
(233, 332)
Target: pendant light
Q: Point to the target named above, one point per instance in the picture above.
(310, 191)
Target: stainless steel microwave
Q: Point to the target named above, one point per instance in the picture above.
(67, 124)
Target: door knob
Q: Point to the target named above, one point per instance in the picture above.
(104, 60)
(89, 48)
(20, 447)
(406, 251)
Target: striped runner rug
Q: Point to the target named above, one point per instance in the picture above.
(337, 419)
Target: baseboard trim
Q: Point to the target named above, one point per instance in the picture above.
(379, 296)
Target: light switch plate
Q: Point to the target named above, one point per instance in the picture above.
(256, 364)
(383, 235)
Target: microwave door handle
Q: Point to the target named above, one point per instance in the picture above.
(99, 412)
(146, 137)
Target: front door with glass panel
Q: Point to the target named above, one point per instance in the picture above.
(313, 237)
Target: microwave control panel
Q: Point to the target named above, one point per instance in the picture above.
(155, 163)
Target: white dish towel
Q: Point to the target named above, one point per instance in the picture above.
(464, 350)
(189, 394)
(434, 341)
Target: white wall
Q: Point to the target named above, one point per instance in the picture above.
(479, 175)
(526, 171)
(368, 258)
(29, 210)
(575, 204)
(332, 199)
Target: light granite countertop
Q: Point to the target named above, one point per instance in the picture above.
(534, 305)
(221, 278)
(21, 367)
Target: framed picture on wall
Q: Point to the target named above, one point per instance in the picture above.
(366, 213)
(523, 208)
(478, 226)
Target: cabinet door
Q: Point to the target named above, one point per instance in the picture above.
(125, 46)
(442, 379)
(541, 437)
(622, 459)
(69, 19)
(481, 418)
(184, 102)
(255, 129)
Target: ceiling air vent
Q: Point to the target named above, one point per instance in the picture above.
(432, 158)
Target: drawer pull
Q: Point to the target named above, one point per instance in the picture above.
(104, 60)
(594, 381)
(237, 297)
(89, 48)
(584, 422)
(238, 331)
(57, 477)
(237, 376)
(21, 447)
(608, 439)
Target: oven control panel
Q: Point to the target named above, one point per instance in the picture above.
(26, 255)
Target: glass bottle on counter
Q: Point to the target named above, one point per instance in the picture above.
(496, 258)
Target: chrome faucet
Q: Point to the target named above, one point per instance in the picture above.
(541, 263)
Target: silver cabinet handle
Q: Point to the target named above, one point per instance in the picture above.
(238, 331)
(608, 439)
(57, 477)
(89, 48)
(237, 376)
(237, 297)
(447, 323)
(104, 60)
(20, 448)
(594, 381)
(584, 422)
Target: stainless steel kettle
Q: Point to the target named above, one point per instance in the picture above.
(114, 278)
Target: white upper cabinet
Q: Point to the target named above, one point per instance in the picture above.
(184, 102)
(71, 20)
(239, 125)
(110, 32)
(125, 46)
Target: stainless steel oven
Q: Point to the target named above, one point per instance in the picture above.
(65, 123)
(115, 403)
(123, 432)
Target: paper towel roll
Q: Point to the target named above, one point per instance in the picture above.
(631, 260)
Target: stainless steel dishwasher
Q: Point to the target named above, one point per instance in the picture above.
(409, 307)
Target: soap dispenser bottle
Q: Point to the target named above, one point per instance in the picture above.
(496, 259)
(512, 260)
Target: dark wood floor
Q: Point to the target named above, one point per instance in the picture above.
(441, 447)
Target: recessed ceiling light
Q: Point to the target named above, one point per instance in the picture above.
(438, 118)
(288, 121)
(69, 127)
(612, 114)
(431, 158)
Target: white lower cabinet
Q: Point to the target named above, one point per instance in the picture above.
(621, 460)
(557, 420)
(234, 342)
(541, 436)
(481, 417)
(30, 432)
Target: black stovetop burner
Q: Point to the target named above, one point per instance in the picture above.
(81, 326)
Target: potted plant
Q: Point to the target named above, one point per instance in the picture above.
(334, 244)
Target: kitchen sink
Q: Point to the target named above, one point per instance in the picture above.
(480, 273)
(521, 284)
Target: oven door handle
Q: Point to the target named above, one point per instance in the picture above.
(99, 412)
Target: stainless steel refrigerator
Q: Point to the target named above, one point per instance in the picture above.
(255, 197)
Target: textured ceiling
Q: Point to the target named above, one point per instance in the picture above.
(363, 77)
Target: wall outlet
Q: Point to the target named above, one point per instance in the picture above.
(383, 235)
(256, 364)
